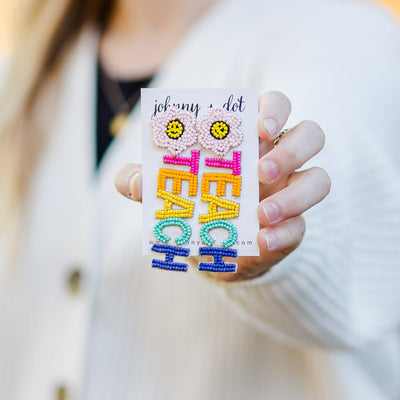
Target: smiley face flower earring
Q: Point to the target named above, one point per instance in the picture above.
(219, 131)
(175, 130)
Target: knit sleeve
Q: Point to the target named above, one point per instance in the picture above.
(341, 287)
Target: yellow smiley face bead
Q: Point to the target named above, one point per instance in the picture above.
(175, 129)
(219, 130)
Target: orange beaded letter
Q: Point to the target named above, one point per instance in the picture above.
(177, 177)
(222, 180)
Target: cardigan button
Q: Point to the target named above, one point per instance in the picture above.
(75, 280)
(61, 393)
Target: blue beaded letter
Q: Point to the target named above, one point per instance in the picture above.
(218, 265)
(170, 253)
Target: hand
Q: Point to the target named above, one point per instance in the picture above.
(285, 193)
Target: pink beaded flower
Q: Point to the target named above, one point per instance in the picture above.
(219, 131)
(175, 130)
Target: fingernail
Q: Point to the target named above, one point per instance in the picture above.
(270, 170)
(132, 193)
(125, 181)
(119, 180)
(271, 211)
(272, 127)
(272, 241)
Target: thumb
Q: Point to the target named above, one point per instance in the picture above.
(128, 181)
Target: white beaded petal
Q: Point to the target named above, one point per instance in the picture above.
(174, 145)
(219, 146)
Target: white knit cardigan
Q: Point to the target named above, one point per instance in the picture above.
(322, 324)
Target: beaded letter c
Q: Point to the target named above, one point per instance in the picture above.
(162, 237)
(219, 223)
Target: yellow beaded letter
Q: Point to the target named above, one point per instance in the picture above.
(232, 209)
(170, 200)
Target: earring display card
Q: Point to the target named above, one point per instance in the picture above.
(200, 181)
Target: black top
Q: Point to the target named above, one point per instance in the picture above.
(111, 96)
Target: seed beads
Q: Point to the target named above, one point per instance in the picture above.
(234, 164)
(170, 253)
(177, 177)
(222, 180)
(162, 237)
(218, 265)
(219, 223)
(169, 200)
(192, 161)
(232, 209)
(218, 131)
(175, 130)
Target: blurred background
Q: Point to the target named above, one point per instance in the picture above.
(11, 11)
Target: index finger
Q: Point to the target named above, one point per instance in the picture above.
(273, 112)
(128, 181)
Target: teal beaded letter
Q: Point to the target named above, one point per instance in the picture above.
(162, 237)
(218, 223)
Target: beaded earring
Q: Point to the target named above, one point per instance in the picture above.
(219, 131)
(175, 130)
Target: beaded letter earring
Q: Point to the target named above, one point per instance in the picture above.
(175, 130)
(219, 131)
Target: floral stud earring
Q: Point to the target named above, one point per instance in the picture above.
(175, 130)
(219, 131)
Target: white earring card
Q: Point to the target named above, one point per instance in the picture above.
(200, 182)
